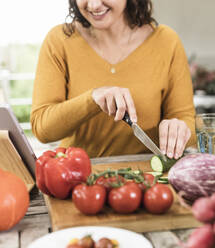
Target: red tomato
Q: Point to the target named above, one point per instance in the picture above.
(109, 181)
(158, 199)
(14, 200)
(104, 243)
(86, 242)
(125, 199)
(149, 180)
(89, 199)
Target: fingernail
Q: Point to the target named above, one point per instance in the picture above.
(169, 154)
(164, 152)
(134, 119)
(176, 156)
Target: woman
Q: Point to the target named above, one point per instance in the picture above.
(113, 58)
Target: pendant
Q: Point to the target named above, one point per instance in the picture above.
(113, 70)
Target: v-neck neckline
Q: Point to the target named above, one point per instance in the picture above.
(113, 68)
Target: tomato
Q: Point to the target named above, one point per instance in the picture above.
(104, 243)
(109, 181)
(86, 242)
(89, 199)
(149, 180)
(14, 200)
(125, 199)
(158, 199)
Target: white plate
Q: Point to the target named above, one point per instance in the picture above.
(60, 239)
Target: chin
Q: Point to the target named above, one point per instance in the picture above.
(101, 25)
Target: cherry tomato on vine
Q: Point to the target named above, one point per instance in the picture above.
(125, 199)
(149, 180)
(108, 182)
(89, 199)
(158, 199)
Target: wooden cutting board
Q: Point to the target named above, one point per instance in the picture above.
(11, 161)
(63, 213)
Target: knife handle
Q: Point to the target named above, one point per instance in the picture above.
(127, 119)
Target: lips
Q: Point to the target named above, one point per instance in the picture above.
(99, 14)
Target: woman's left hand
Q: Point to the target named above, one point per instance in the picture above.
(173, 136)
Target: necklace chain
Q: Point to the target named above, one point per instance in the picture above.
(121, 57)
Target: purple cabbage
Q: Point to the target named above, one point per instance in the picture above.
(194, 175)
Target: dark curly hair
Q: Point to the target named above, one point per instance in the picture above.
(137, 12)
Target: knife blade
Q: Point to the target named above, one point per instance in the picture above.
(143, 137)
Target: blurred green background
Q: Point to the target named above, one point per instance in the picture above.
(20, 58)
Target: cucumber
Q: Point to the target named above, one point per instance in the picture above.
(163, 180)
(159, 165)
(155, 173)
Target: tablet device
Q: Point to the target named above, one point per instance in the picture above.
(8, 121)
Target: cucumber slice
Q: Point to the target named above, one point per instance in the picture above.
(159, 165)
(163, 178)
(162, 181)
(155, 173)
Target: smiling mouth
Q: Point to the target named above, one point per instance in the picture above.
(99, 13)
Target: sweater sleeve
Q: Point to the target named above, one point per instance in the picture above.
(178, 98)
(53, 116)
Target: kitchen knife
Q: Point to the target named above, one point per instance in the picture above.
(143, 137)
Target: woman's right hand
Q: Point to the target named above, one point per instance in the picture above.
(115, 101)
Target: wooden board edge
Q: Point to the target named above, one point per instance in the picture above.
(140, 226)
(48, 205)
(30, 186)
(28, 179)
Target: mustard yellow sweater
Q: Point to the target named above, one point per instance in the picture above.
(156, 73)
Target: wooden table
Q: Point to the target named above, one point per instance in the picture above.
(36, 222)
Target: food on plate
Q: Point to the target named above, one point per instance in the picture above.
(158, 199)
(105, 243)
(194, 174)
(58, 171)
(14, 200)
(88, 242)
